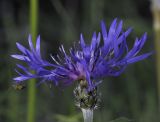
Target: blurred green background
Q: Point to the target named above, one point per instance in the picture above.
(131, 97)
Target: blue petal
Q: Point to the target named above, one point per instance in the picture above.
(104, 31)
(94, 41)
(30, 43)
(125, 34)
(112, 29)
(82, 41)
(24, 69)
(119, 28)
(138, 58)
(21, 78)
(38, 46)
(21, 57)
(21, 48)
(98, 38)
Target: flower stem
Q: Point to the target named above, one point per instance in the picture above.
(31, 86)
(87, 115)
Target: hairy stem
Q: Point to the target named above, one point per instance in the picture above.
(87, 115)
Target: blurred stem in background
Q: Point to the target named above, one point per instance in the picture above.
(68, 31)
(156, 24)
(31, 85)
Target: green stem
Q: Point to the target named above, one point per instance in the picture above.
(34, 18)
(31, 101)
(31, 85)
(87, 115)
(156, 15)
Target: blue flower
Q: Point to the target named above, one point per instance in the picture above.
(87, 62)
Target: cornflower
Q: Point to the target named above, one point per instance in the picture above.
(86, 64)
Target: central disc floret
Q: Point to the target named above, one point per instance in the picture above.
(84, 98)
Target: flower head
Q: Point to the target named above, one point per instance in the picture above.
(85, 62)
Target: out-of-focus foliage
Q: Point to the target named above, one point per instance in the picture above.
(130, 97)
(121, 119)
(68, 118)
